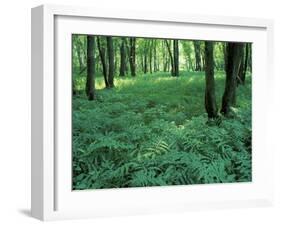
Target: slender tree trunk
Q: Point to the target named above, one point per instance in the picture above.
(176, 57)
(150, 55)
(90, 83)
(171, 57)
(142, 62)
(234, 53)
(241, 68)
(245, 63)
(202, 57)
(190, 65)
(250, 57)
(110, 53)
(210, 95)
(115, 61)
(225, 56)
(197, 55)
(155, 56)
(103, 62)
(73, 88)
(122, 58)
(78, 51)
(73, 66)
(145, 59)
(163, 56)
(83, 43)
(133, 56)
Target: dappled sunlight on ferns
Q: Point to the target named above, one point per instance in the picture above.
(138, 134)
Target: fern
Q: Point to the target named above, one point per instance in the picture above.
(160, 139)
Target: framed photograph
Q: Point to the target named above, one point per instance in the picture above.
(138, 112)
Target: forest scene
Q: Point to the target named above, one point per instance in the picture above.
(160, 112)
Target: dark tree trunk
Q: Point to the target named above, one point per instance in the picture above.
(164, 60)
(127, 56)
(250, 57)
(241, 67)
(210, 95)
(73, 66)
(155, 65)
(133, 56)
(142, 62)
(150, 55)
(225, 55)
(110, 53)
(122, 58)
(145, 57)
(90, 83)
(234, 54)
(145, 63)
(73, 88)
(176, 57)
(171, 57)
(245, 63)
(197, 55)
(103, 62)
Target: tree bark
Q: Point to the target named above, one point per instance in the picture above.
(145, 64)
(245, 63)
(78, 51)
(197, 55)
(250, 57)
(133, 56)
(90, 83)
(234, 54)
(110, 54)
(103, 62)
(163, 52)
(73, 88)
(241, 67)
(150, 55)
(210, 95)
(155, 65)
(122, 58)
(176, 57)
(171, 57)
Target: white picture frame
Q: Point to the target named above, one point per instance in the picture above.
(52, 197)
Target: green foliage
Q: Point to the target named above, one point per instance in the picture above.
(145, 132)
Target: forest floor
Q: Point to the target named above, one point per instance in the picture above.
(152, 130)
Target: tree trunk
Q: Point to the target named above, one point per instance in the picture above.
(155, 65)
(90, 83)
(73, 88)
(250, 57)
(83, 43)
(234, 53)
(245, 63)
(78, 50)
(103, 62)
(150, 46)
(110, 54)
(132, 58)
(197, 55)
(145, 59)
(241, 68)
(122, 58)
(176, 57)
(210, 95)
(171, 57)
(164, 61)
